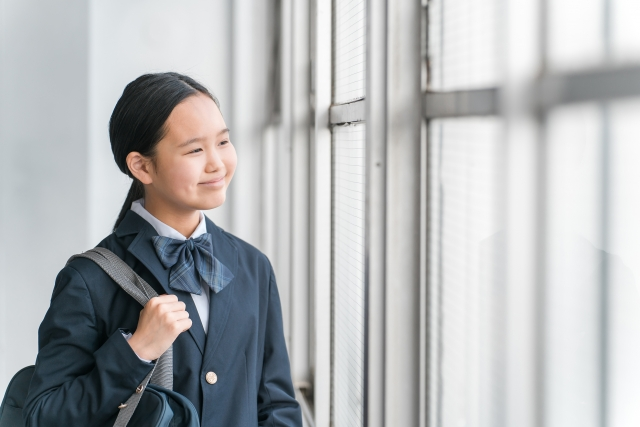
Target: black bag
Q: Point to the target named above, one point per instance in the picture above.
(16, 394)
(158, 406)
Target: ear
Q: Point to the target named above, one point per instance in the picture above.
(140, 167)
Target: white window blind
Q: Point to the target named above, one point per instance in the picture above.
(349, 50)
(464, 38)
(466, 293)
(348, 274)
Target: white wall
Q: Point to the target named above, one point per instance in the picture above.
(128, 39)
(62, 69)
(43, 151)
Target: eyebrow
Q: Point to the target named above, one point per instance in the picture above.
(200, 138)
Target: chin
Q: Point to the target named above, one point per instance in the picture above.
(212, 202)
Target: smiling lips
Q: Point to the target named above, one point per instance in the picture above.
(216, 182)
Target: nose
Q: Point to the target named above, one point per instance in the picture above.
(214, 161)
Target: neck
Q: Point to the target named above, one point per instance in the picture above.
(184, 221)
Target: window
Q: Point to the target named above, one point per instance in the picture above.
(466, 238)
(348, 274)
(349, 51)
(623, 273)
(348, 224)
(463, 44)
(466, 234)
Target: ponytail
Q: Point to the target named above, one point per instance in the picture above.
(135, 192)
(138, 120)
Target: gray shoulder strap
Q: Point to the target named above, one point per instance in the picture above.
(139, 289)
(121, 273)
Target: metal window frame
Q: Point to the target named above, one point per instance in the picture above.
(350, 112)
(590, 85)
(375, 111)
(320, 189)
(301, 310)
(549, 91)
(462, 103)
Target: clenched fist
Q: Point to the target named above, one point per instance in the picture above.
(161, 321)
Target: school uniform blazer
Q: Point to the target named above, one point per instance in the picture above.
(85, 368)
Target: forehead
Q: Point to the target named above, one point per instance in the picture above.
(196, 116)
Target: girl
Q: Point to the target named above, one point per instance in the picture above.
(218, 302)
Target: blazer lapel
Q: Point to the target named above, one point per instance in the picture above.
(142, 248)
(196, 330)
(220, 303)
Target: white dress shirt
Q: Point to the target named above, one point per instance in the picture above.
(201, 301)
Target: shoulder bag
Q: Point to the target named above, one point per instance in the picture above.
(154, 404)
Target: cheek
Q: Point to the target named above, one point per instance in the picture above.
(230, 160)
(180, 174)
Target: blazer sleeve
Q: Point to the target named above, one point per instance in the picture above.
(81, 376)
(277, 405)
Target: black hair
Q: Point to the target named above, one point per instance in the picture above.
(138, 121)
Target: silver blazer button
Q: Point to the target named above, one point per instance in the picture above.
(211, 377)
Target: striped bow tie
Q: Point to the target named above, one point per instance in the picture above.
(190, 261)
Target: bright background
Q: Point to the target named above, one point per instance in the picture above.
(447, 189)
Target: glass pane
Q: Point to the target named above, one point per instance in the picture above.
(573, 268)
(592, 304)
(624, 266)
(625, 30)
(463, 44)
(348, 274)
(576, 36)
(466, 292)
(349, 46)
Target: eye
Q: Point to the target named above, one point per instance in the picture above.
(197, 150)
(225, 142)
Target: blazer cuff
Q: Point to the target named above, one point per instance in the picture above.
(127, 336)
(117, 358)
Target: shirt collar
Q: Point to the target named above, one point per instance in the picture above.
(163, 229)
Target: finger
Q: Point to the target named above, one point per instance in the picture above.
(167, 298)
(185, 324)
(162, 299)
(170, 307)
(174, 306)
(152, 302)
(176, 316)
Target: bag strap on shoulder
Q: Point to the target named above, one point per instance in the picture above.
(139, 289)
(121, 273)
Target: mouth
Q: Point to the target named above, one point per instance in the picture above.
(216, 182)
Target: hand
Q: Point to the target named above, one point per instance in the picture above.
(161, 321)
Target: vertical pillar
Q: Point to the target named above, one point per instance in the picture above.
(523, 53)
(300, 112)
(321, 210)
(402, 311)
(375, 208)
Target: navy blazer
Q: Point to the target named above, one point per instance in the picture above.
(85, 368)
